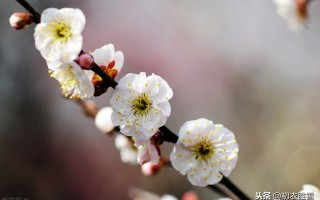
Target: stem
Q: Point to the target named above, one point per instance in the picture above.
(220, 191)
(35, 14)
(225, 181)
(167, 135)
(107, 80)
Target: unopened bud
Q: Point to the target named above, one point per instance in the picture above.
(103, 120)
(302, 11)
(122, 142)
(86, 61)
(148, 169)
(20, 21)
(190, 195)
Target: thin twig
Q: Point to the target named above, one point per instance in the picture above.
(221, 191)
(107, 80)
(167, 135)
(232, 187)
(35, 14)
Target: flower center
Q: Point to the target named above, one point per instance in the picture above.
(203, 150)
(141, 105)
(67, 80)
(61, 30)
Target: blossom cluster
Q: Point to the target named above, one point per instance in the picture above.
(205, 152)
(58, 38)
(140, 106)
(140, 103)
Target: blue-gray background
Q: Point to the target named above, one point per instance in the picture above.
(235, 62)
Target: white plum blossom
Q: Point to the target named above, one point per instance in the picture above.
(294, 12)
(103, 120)
(307, 189)
(141, 104)
(147, 152)
(205, 152)
(73, 81)
(108, 59)
(128, 152)
(58, 35)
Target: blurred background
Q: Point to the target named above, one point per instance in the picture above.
(235, 62)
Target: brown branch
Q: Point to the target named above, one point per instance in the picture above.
(232, 187)
(35, 14)
(167, 135)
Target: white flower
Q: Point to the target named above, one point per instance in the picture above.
(147, 152)
(73, 81)
(58, 36)
(103, 120)
(293, 11)
(108, 59)
(128, 152)
(308, 189)
(204, 152)
(141, 104)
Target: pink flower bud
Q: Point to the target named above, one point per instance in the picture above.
(86, 61)
(20, 21)
(190, 195)
(148, 169)
(103, 121)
